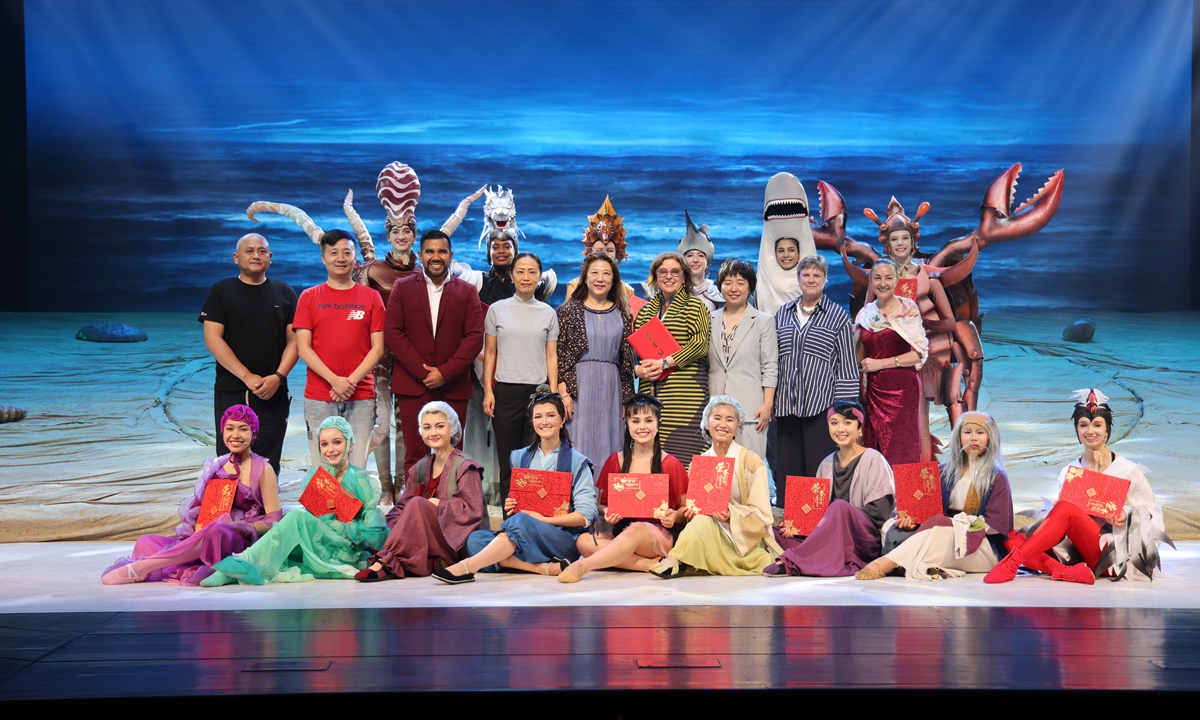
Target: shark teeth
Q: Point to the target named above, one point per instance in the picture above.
(785, 208)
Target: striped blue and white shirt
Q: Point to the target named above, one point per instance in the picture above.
(817, 364)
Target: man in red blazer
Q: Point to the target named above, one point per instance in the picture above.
(434, 328)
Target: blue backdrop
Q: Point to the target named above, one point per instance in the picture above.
(153, 125)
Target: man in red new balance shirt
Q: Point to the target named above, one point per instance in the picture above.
(339, 329)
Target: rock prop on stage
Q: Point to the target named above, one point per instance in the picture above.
(110, 332)
(1080, 331)
(944, 290)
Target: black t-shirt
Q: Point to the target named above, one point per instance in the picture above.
(255, 319)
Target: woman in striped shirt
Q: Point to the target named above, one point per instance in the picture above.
(683, 392)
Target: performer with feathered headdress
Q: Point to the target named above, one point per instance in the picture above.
(1072, 545)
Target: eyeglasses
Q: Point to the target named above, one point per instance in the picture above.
(665, 273)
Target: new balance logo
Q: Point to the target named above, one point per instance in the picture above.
(356, 315)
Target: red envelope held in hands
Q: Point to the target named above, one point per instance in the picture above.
(918, 491)
(217, 500)
(324, 487)
(710, 479)
(653, 341)
(1097, 494)
(545, 492)
(805, 503)
(637, 496)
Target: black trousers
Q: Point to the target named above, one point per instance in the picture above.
(511, 426)
(802, 443)
(272, 421)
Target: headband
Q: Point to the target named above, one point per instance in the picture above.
(975, 417)
(853, 410)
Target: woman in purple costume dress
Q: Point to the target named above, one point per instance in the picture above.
(862, 499)
(891, 348)
(441, 505)
(189, 556)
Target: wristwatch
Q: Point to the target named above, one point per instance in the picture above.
(664, 362)
(281, 376)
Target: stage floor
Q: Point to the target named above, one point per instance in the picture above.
(65, 577)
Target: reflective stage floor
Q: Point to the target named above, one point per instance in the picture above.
(64, 636)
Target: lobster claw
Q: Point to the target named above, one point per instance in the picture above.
(998, 224)
(859, 276)
(828, 235)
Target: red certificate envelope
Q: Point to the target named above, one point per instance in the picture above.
(637, 496)
(918, 490)
(653, 341)
(217, 500)
(806, 502)
(635, 304)
(324, 487)
(709, 481)
(544, 492)
(1095, 493)
(907, 288)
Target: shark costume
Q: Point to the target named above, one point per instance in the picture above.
(697, 238)
(785, 215)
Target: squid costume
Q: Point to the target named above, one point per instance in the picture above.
(398, 189)
(945, 290)
(697, 238)
(785, 215)
(604, 227)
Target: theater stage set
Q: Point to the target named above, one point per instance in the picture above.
(69, 477)
(138, 133)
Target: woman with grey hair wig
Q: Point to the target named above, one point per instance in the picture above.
(737, 541)
(441, 505)
(977, 505)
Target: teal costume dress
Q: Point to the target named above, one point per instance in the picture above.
(301, 546)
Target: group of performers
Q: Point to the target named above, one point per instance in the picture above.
(769, 372)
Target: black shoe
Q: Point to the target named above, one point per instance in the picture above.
(670, 572)
(451, 579)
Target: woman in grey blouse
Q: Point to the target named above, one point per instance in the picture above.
(743, 355)
(520, 352)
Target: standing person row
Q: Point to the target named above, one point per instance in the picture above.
(595, 360)
(435, 330)
(817, 368)
(248, 329)
(684, 391)
(339, 330)
(520, 353)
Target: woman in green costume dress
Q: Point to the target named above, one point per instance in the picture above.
(302, 546)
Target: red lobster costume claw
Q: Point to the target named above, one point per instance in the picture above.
(949, 304)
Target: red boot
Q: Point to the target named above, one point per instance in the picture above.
(1006, 569)
(1078, 573)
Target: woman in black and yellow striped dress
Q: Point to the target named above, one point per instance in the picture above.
(685, 391)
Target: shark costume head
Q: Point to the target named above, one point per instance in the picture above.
(785, 215)
(696, 238)
(605, 226)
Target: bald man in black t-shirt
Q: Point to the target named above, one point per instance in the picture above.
(248, 329)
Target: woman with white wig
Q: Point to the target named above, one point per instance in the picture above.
(977, 507)
(737, 541)
(441, 505)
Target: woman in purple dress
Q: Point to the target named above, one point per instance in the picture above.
(189, 556)
(595, 361)
(441, 505)
(862, 498)
(891, 344)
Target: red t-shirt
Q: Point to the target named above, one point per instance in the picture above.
(677, 478)
(341, 322)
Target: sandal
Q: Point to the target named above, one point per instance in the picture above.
(870, 572)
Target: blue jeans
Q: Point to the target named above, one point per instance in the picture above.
(359, 413)
(536, 541)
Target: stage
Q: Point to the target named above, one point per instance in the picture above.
(613, 631)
